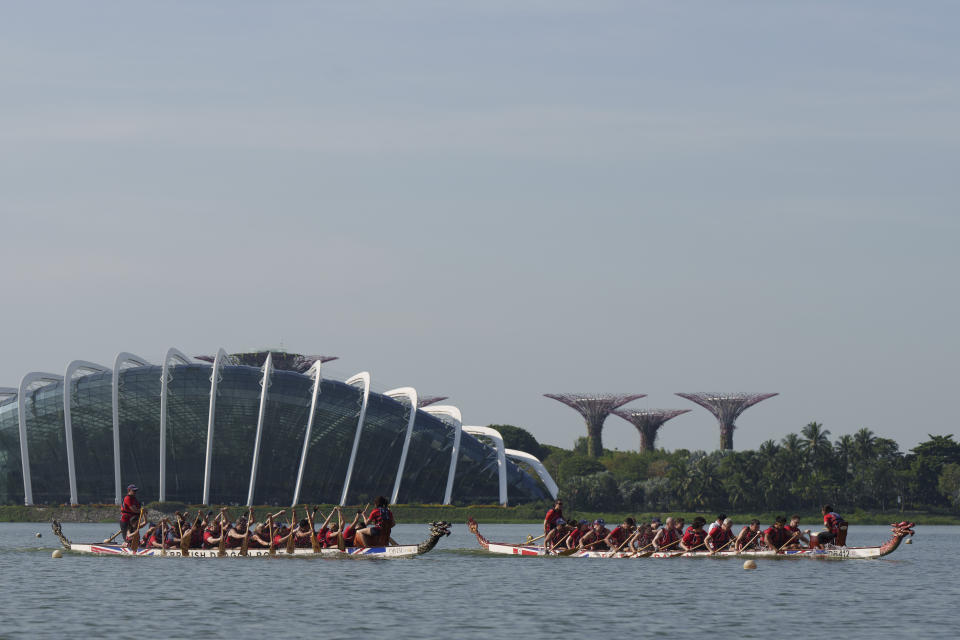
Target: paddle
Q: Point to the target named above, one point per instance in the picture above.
(630, 538)
(788, 541)
(530, 540)
(245, 545)
(341, 542)
(163, 538)
(716, 551)
(646, 546)
(314, 543)
(273, 546)
(224, 532)
(186, 536)
(291, 542)
(135, 543)
(747, 546)
(111, 538)
(561, 540)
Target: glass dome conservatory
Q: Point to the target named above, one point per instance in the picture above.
(226, 430)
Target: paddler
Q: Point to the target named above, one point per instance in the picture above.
(666, 537)
(694, 537)
(776, 536)
(645, 533)
(720, 537)
(594, 538)
(615, 539)
(579, 530)
(129, 512)
(379, 524)
(749, 536)
(793, 528)
(550, 522)
(716, 524)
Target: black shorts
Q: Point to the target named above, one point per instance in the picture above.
(826, 536)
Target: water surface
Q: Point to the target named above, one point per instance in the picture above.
(459, 591)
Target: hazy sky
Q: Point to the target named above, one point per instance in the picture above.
(494, 200)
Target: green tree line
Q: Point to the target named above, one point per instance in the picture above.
(800, 472)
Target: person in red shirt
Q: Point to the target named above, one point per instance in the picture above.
(550, 522)
(836, 529)
(666, 537)
(694, 537)
(324, 531)
(721, 537)
(379, 525)
(212, 535)
(580, 528)
(620, 534)
(793, 528)
(749, 536)
(129, 512)
(776, 536)
(594, 538)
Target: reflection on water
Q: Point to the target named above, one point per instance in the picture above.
(458, 591)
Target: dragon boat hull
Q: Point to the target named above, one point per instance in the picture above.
(403, 551)
(437, 531)
(899, 530)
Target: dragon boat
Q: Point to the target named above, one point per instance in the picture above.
(437, 531)
(899, 532)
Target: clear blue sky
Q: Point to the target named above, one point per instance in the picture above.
(494, 200)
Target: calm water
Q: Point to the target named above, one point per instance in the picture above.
(457, 591)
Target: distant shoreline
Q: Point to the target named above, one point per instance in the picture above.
(524, 514)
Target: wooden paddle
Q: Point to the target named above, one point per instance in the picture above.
(186, 536)
(111, 538)
(630, 538)
(747, 546)
(135, 543)
(646, 546)
(291, 537)
(561, 540)
(716, 551)
(224, 532)
(341, 542)
(530, 540)
(245, 545)
(273, 547)
(788, 542)
(314, 543)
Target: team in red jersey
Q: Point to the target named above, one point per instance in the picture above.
(207, 531)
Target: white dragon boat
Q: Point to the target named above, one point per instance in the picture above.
(899, 530)
(437, 531)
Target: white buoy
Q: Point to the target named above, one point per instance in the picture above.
(908, 541)
(57, 553)
(749, 564)
(39, 535)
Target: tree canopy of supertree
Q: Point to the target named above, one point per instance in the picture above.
(726, 407)
(648, 423)
(595, 407)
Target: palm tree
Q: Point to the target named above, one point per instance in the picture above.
(844, 448)
(863, 441)
(816, 444)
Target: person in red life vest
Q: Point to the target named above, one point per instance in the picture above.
(666, 537)
(579, 529)
(303, 535)
(749, 536)
(836, 529)
(616, 538)
(324, 531)
(211, 535)
(150, 536)
(644, 536)
(776, 536)
(799, 537)
(694, 537)
(720, 537)
(716, 524)
(129, 512)
(550, 522)
(594, 538)
(379, 525)
(236, 533)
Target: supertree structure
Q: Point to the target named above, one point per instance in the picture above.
(648, 422)
(726, 407)
(426, 401)
(595, 407)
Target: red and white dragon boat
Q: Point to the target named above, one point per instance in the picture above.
(899, 530)
(437, 531)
